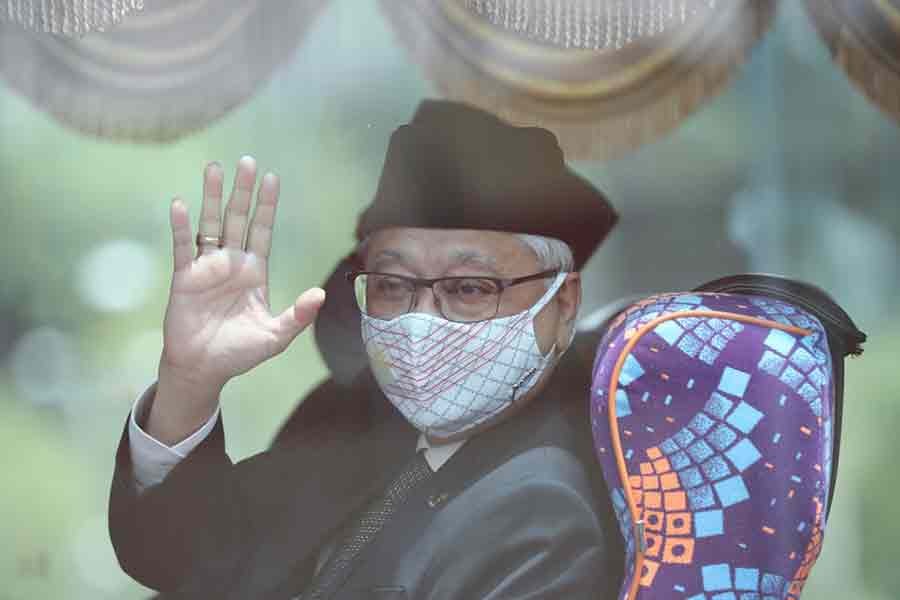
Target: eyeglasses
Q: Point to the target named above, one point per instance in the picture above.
(461, 298)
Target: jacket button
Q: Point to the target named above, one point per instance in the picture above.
(436, 500)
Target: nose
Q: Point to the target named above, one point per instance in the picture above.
(425, 301)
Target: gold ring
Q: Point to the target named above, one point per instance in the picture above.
(212, 240)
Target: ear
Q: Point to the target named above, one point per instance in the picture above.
(568, 300)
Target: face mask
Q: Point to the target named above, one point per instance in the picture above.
(447, 377)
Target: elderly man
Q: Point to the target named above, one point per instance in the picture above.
(457, 466)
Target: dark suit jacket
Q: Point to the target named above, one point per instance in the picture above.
(518, 512)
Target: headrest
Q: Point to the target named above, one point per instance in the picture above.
(714, 424)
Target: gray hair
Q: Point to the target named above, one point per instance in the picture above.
(551, 253)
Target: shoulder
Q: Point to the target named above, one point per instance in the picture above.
(529, 524)
(541, 479)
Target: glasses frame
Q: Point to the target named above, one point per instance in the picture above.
(420, 282)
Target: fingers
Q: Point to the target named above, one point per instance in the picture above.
(239, 204)
(211, 211)
(259, 238)
(182, 241)
(298, 317)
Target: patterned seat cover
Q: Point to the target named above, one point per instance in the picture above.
(711, 416)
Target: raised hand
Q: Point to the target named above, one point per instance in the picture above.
(218, 322)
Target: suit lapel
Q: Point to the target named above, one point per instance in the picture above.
(327, 480)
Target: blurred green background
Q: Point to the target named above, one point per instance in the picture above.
(790, 170)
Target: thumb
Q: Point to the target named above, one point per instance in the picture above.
(298, 317)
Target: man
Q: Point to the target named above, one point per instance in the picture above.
(458, 466)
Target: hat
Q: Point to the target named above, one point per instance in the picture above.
(605, 76)
(457, 167)
(161, 73)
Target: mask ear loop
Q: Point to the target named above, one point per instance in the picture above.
(518, 384)
(548, 295)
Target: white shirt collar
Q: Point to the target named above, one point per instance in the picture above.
(437, 454)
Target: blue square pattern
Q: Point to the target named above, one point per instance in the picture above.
(716, 323)
(771, 363)
(780, 341)
(716, 577)
(708, 355)
(684, 437)
(816, 407)
(743, 454)
(746, 579)
(700, 424)
(734, 381)
(745, 417)
(700, 497)
(704, 332)
(771, 584)
(721, 437)
(718, 342)
(690, 477)
(700, 451)
(688, 322)
(723, 596)
(670, 331)
(715, 468)
(818, 377)
(731, 491)
(708, 523)
(718, 405)
(668, 446)
(805, 322)
(803, 360)
(623, 408)
(679, 460)
(808, 392)
(690, 345)
(631, 370)
(792, 377)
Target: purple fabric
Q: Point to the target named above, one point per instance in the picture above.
(726, 436)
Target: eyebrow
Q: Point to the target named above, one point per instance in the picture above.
(474, 258)
(386, 257)
(460, 258)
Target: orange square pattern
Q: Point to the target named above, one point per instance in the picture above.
(662, 465)
(678, 523)
(678, 551)
(653, 520)
(669, 481)
(654, 544)
(676, 501)
(649, 573)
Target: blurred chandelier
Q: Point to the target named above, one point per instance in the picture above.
(864, 39)
(604, 75)
(68, 17)
(168, 70)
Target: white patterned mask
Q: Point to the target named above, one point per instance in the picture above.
(447, 377)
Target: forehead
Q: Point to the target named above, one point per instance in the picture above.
(427, 249)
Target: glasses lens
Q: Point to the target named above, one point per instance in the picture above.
(383, 296)
(468, 299)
